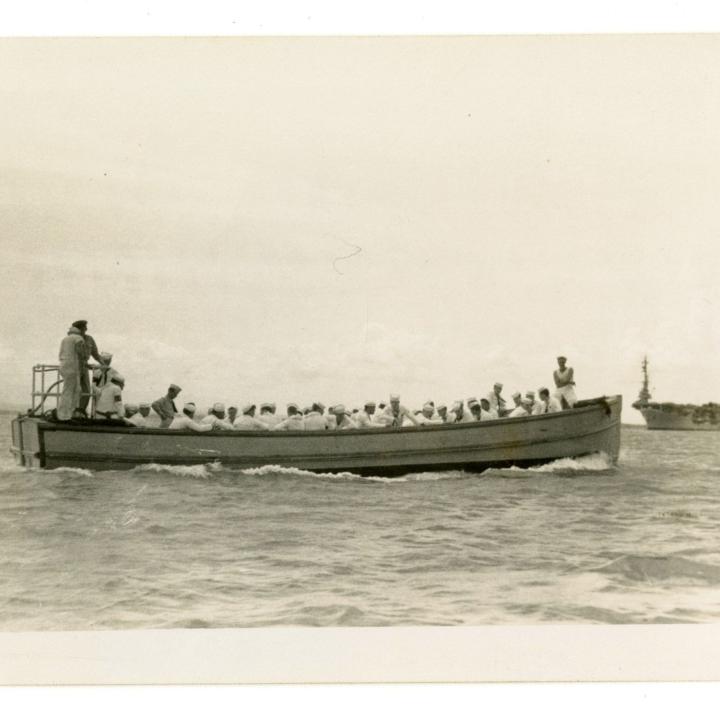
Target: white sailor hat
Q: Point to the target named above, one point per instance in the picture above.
(218, 407)
(266, 406)
(321, 406)
(338, 409)
(189, 406)
(516, 395)
(430, 402)
(370, 403)
(442, 406)
(428, 406)
(106, 356)
(293, 405)
(144, 405)
(117, 377)
(498, 384)
(131, 407)
(472, 401)
(394, 397)
(530, 393)
(457, 404)
(307, 409)
(247, 408)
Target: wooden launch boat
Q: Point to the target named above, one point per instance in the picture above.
(592, 426)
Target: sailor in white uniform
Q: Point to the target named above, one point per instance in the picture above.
(248, 421)
(216, 418)
(293, 421)
(366, 417)
(497, 402)
(549, 404)
(395, 413)
(186, 421)
(564, 383)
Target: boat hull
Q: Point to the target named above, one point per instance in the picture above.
(595, 427)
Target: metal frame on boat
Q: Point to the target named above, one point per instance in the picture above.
(592, 426)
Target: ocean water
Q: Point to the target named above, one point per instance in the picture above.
(207, 547)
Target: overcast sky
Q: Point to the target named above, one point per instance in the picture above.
(503, 200)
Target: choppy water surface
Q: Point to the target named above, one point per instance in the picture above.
(203, 546)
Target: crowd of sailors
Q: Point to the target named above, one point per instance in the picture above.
(107, 385)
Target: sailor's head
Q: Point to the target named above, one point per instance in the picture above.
(248, 409)
(189, 409)
(476, 410)
(442, 410)
(561, 360)
(369, 406)
(497, 387)
(484, 403)
(428, 410)
(130, 409)
(106, 358)
(293, 409)
(395, 401)
(173, 391)
(232, 412)
(144, 409)
(218, 410)
(544, 393)
(517, 397)
(338, 410)
(265, 408)
(530, 394)
(81, 325)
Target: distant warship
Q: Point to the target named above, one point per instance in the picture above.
(672, 416)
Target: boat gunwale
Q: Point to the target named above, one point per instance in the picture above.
(45, 426)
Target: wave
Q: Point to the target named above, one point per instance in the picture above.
(195, 471)
(599, 462)
(650, 568)
(82, 472)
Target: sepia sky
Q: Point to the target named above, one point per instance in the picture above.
(338, 219)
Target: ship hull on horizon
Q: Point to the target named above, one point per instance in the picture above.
(679, 418)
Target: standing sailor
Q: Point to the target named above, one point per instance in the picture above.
(90, 350)
(71, 357)
(165, 406)
(565, 383)
(497, 403)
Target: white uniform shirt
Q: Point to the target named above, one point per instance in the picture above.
(270, 419)
(139, 420)
(388, 417)
(495, 404)
(183, 422)
(518, 411)
(109, 400)
(365, 420)
(216, 423)
(315, 421)
(346, 423)
(247, 422)
(293, 422)
(433, 420)
(553, 406)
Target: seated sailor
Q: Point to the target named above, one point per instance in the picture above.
(395, 413)
(470, 416)
(548, 404)
(497, 403)
(475, 411)
(186, 421)
(428, 416)
(535, 404)
(131, 409)
(366, 417)
(268, 416)
(564, 384)
(519, 410)
(315, 420)
(293, 421)
(232, 412)
(343, 421)
(165, 406)
(248, 421)
(487, 412)
(457, 413)
(216, 418)
(442, 413)
(108, 398)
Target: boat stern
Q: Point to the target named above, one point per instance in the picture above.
(25, 445)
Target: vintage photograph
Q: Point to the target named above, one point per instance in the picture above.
(336, 332)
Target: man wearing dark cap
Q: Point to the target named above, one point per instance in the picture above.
(89, 350)
(165, 406)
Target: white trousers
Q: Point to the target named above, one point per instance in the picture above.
(567, 392)
(70, 396)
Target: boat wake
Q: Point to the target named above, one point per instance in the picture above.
(657, 569)
(569, 467)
